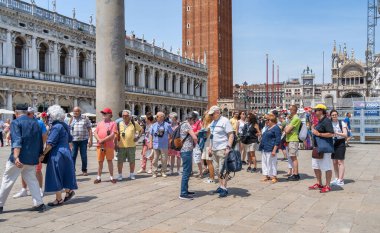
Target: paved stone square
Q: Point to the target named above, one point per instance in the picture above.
(152, 205)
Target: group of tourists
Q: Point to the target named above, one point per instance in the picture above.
(167, 145)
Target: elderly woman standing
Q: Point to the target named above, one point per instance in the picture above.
(60, 173)
(270, 141)
(173, 154)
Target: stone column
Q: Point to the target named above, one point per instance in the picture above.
(131, 74)
(161, 81)
(34, 55)
(191, 87)
(152, 78)
(1, 54)
(9, 100)
(170, 82)
(133, 108)
(142, 76)
(91, 68)
(110, 50)
(178, 84)
(75, 102)
(143, 109)
(56, 99)
(8, 49)
(74, 63)
(184, 86)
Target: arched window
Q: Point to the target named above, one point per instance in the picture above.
(166, 82)
(188, 86)
(147, 78)
(156, 80)
(62, 61)
(137, 74)
(174, 82)
(195, 88)
(19, 47)
(81, 65)
(42, 57)
(181, 86)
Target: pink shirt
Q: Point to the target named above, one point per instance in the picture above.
(101, 130)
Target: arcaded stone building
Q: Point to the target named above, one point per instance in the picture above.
(207, 29)
(47, 58)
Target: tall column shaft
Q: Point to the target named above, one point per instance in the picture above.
(110, 56)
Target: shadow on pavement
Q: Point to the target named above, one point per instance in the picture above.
(306, 177)
(83, 179)
(80, 199)
(3, 220)
(348, 181)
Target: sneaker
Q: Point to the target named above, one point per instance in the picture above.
(150, 171)
(294, 178)
(332, 183)
(132, 176)
(254, 170)
(22, 193)
(41, 208)
(190, 193)
(163, 175)
(218, 190)
(186, 197)
(143, 171)
(325, 189)
(209, 181)
(340, 182)
(249, 169)
(154, 175)
(223, 193)
(120, 178)
(315, 186)
(42, 193)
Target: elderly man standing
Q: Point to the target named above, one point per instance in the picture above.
(27, 146)
(159, 142)
(291, 131)
(221, 142)
(128, 132)
(80, 127)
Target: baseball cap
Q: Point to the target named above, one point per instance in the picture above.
(106, 111)
(31, 109)
(213, 109)
(320, 106)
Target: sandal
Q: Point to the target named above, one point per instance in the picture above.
(69, 195)
(56, 203)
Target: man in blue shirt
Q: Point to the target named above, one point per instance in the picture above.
(159, 142)
(23, 191)
(27, 146)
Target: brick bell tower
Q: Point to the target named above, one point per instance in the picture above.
(207, 28)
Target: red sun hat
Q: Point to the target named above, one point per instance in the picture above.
(106, 111)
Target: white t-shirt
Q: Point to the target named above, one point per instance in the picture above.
(219, 133)
(241, 126)
(337, 128)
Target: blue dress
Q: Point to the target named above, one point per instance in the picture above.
(60, 172)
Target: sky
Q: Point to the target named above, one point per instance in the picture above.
(294, 33)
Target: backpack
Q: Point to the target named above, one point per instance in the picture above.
(232, 163)
(302, 132)
(176, 142)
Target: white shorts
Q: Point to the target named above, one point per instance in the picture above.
(249, 147)
(322, 164)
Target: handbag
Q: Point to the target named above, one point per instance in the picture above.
(317, 155)
(46, 158)
(325, 145)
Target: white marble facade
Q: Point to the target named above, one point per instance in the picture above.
(47, 58)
